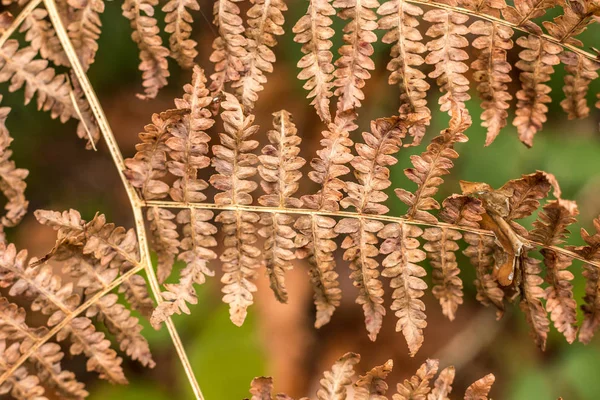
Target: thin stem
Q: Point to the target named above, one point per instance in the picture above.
(32, 5)
(155, 289)
(349, 214)
(134, 199)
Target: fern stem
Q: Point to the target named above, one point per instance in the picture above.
(500, 21)
(155, 289)
(349, 214)
(32, 5)
(68, 318)
(134, 199)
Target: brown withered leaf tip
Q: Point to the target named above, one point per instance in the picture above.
(336, 383)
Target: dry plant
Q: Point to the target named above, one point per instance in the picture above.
(282, 224)
(335, 384)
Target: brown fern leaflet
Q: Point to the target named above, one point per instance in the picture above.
(340, 383)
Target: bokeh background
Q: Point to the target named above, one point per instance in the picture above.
(279, 340)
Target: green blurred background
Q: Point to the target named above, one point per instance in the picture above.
(280, 340)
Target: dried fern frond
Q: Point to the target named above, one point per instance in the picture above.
(41, 36)
(448, 31)
(551, 229)
(179, 20)
(441, 247)
(578, 14)
(354, 64)
(12, 179)
(265, 21)
(531, 302)
(372, 173)
(110, 245)
(400, 19)
(46, 359)
(435, 162)
(53, 91)
(153, 55)
(235, 165)
(84, 28)
(280, 173)
(525, 11)
(536, 63)
(581, 72)
(229, 48)
(336, 383)
(316, 232)
(403, 253)
(51, 297)
(314, 32)
(492, 69)
(591, 308)
(21, 385)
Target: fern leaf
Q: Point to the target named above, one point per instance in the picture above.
(229, 48)
(531, 302)
(492, 72)
(448, 32)
(361, 244)
(51, 297)
(261, 388)
(372, 385)
(21, 385)
(591, 308)
(280, 173)
(153, 56)
(12, 179)
(146, 169)
(178, 23)
(313, 31)
(525, 11)
(107, 244)
(85, 28)
(419, 384)
(536, 65)
(101, 358)
(265, 21)
(198, 237)
(402, 250)
(435, 162)
(92, 276)
(187, 150)
(443, 385)
(41, 36)
(126, 328)
(577, 16)
(314, 240)
(19, 67)
(164, 240)
(355, 61)
(480, 389)
(46, 359)
(235, 165)
(551, 229)
(399, 18)
(334, 382)
(480, 251)
(580, 73)
(441, 247)
(525, 196)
